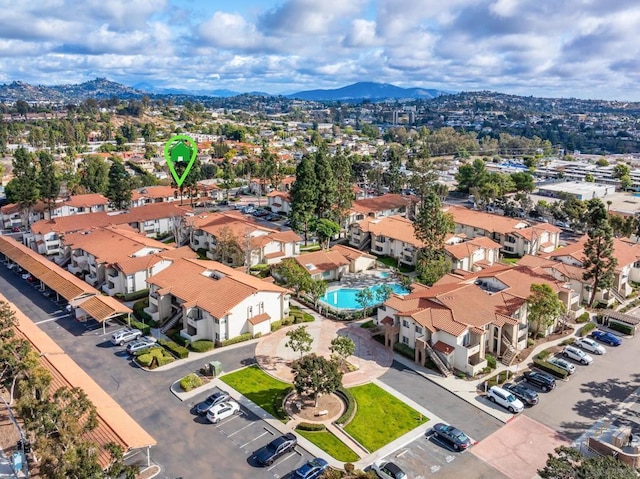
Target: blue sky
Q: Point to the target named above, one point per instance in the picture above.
(568, 48)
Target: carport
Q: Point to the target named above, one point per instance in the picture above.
(47, 272)
(102, 309)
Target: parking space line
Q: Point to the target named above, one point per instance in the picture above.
(51, 319)
(247, 443)
(227, 420)
(293, 453)
(241, 429)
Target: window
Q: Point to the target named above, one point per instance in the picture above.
(465, 339)
(405, 340)
(419, 329)
(405, 323)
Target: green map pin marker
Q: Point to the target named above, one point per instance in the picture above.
(180, 149)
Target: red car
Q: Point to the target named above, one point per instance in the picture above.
(15, 229)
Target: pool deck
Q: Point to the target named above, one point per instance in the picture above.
(367, 279)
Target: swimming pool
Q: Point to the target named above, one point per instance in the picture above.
(345, 298)
(383, 274)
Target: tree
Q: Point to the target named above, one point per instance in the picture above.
(48, 182)
(383, 292)
(24, 185)
(342, 171)
(394, 177)
(432, 266)
(119, 189)
(326, 185)
(304, 196)
(228, 176)
(316, 289)
(599, 262)
(473, 175)
(299, 340)
(620, 170)
(544, 308)
(326, 230)
(523, 181)
(342, 347)
(365, 297)
(589, 178)
(94, 174)
(569, 463)
(293, 275)
(315, 375)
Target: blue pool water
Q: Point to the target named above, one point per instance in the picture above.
(345, 298)
(383, 274)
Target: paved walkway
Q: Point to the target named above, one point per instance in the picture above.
(370, 358)
(6, 469)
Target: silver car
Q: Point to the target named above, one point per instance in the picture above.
(125, 335)
(590, 345)
(140, 344)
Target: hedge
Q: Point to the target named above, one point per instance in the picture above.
(278, 403)
(190, 381)
(139, 312)
(586, 329)
(405, 351)
(145, 359)
(136, 295)
(165, 360)
(308, 426)
(201, 346)
(544, 354)
(180, 351)
(237, 339)
(621, 327)
(583, 318)
(176, 337)
(550, 368)
(154, 357)
(145, 328)
(348, 414)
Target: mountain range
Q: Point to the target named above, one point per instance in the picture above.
(101, 88)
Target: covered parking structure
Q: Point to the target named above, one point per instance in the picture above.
(87, 299)
(114, 424)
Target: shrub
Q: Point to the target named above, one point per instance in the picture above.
(491, 361)
(237, 339)
(405, 350)
(276, 325)
(278, 403)
(145, 328)
(145, 359)
(138, 310)
(583, 318)
(587, 328)
(368, 324)
(621, 327)
(568, 341)
(544, 354)
(201, 346)
(179, 351)
(177, 338)
(190, 381)
(499, 378)
(136, 295)
(350, 411)
(165, 360)
(550, 368)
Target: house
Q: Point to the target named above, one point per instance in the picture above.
(209, 300)
(462, 317)
(471, 254)
(331, 264)
(516, 236)
(151, 220)
(279, 202)
(79, 204)
(385, 205)
(392, 236)
(238, 240)
(208, 191)
(153, 194)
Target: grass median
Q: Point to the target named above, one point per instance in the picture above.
(381, 417)
(330, 444)
(260, 388)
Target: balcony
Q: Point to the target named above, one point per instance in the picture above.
(113, 277)
(91, 279)
(73, 269)
(109, 288)
(472, 349)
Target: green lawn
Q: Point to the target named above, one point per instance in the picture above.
(260, 388)
(330, 444)
(510, 260)
(393, 263)
(381, 417)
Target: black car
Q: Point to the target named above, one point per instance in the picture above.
(528, 396)
(451, 435)
(267, 455)
(215, 398)
(542, 380)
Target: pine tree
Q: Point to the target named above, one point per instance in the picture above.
(599, 260)
(48, 182)
(304, 196)
(94, 174)
(119, 189)
(24, 185)
(343, 173)
(326, 185)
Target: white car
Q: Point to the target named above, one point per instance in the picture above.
(222, 411)
(125, 335)
(562, 364)
(576, 354)
(505, 399)
(388, 470)
(590, 345)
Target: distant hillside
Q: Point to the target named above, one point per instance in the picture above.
(367, 91)
(99, 88)
(149, 88)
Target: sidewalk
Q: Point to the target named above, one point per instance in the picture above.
(467, 390)
(6, 468)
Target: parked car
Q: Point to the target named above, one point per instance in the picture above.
(505, 399)
(139, 345)
(453, 436)
(528, 396)
(223, 203)
(268, 454)
(270, 217)
(562, 364)
(590, 345)
(31, 279)
(125, 335)
(287, 223)
(311, 469)
(262, 213)
(212, 400)
(607, 338)
(222, 411)
(576, 354)
(562, 224)
(544, 381)
(15, 229)
(388, 470)
(26, 276)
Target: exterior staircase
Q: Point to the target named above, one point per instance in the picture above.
(366, 244)
(437, 361)
(621, 299)
(510, 355)
(172, 322)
